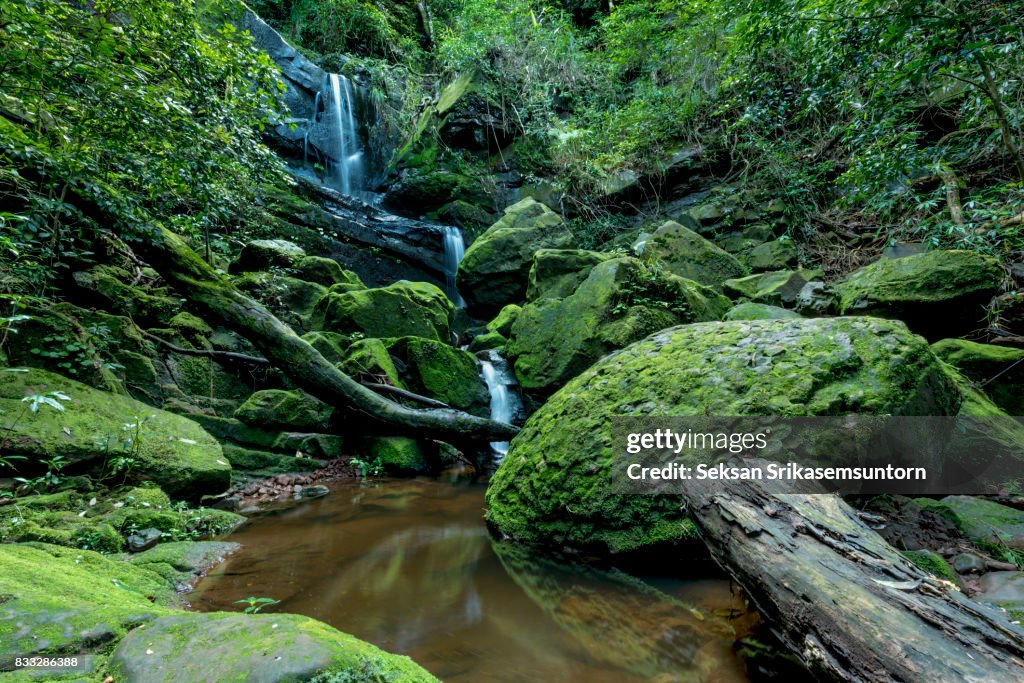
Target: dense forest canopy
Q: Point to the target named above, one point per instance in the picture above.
(899, 117)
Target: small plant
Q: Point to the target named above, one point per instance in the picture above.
(256, 604)
(367, 469)
(50, 480)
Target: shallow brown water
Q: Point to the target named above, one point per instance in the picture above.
(410, 567)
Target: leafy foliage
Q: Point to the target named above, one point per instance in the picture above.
(148, 111)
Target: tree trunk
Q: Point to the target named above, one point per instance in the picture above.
(847, 603)
(177, 263)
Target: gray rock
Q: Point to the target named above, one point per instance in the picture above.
(966, 563)
(315, 492)
(815, 298)
(143, 540)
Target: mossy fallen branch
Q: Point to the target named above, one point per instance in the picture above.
(186, 271)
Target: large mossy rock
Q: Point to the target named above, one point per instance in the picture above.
(556, 273)
(999, 368)
(368, 360)
(751, 311)
(689, 255)
(496, 267)
(266, 254)
(280, 409)
(398, 455)
(173, 451)
(620, 302)
(554, 487)
(441, 372)
(111, 288)
(937, 293)
(73, 601)
(258, 648)
(290, 299)
(776, 288)
(404, 309)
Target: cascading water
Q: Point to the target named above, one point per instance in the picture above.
(346, 151)
(505, 404)
(454, 250)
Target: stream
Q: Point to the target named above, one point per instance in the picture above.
(409, 566)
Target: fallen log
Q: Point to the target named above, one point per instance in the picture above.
(841, 598)
(198, 282)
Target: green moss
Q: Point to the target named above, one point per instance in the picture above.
(618, 303)
(403, 309)
(990, 526)
(280, 409)
(994, 366)
(688, 255)
(751, 311)
(283, 647)
(265, 462)
(495, 270)
(186, 323)
(933, 564)
(556, 273)
(172, 451)
(151, 306)
(774, 289)
(369, 360)
(331, 345)
(260, 255)
(502, 323)
(485, 342)
(937, 292)
(326, 272)
(290, 299)
(554, 486)
(775, 255)
(399, 455)
(441, 372)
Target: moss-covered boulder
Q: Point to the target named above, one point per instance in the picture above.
(937, 293)
(398, 455)
(561, 461)
(774, 255)
(326, 272)
(368, 360)
(61, 600)
(331, 345)
(751, 311)
(502, 323)
(932, 563)
(265, 254)
(111, 288)
(71, 600)
(487, 342)
(556, 273)
(180, 563)
(999, 368)
(689, 255)
(281, 409)
(777, 288)
(495, 270)
(620, 302)
(441, 372)
(415, 309)
(260, 648)
(171, 450)
(290, 299)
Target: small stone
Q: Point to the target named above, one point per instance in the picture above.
(966, 563)
(315, 491)
(143, 540)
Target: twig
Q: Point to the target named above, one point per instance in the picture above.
(402, 393)
(245, 358)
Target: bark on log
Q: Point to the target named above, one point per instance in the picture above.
(845, 601)
(177, 263)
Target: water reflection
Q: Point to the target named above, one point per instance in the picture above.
(410, 567)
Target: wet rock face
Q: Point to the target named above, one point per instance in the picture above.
(999, 368)
(562, 458)
(937, 293)
(495, 270)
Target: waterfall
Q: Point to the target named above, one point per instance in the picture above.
(454, 250)
(505, 404)
(346, 151)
